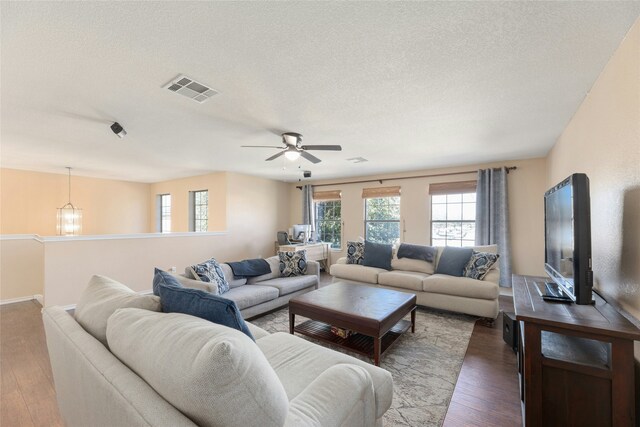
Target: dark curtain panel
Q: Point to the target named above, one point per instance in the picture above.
(492, 217)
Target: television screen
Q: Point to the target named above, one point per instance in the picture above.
(567, 237)
(559, 236)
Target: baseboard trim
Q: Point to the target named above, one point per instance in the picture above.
(36, 297)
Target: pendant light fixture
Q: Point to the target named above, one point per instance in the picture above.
(69, 217)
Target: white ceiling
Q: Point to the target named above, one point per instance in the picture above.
(407, 85)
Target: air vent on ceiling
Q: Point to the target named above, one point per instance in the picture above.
(357, 160)
(190, 88)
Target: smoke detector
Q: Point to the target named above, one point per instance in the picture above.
(190, 88)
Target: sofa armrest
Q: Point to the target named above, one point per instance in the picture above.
(339, 396)
(196, 284)
(313, 268)
(493, 276)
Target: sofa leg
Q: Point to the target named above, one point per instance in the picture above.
(487, 321)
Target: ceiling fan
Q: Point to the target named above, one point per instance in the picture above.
(293, 148)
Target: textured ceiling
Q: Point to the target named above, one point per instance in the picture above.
(406, 85)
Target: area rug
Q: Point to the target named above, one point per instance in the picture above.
(424, 365)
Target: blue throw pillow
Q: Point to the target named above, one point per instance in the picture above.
(210, 271)
(377, 255)
(453, 260)
(177, 299)
(355, 252)
(425, 253)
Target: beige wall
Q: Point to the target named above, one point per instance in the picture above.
(215, 183)
(251, 209)
(21, 268)
(603, 141)
(526, 189)
(28, 203)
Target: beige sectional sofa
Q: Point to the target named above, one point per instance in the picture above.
(258, 295)
(168, 369)
(459, 294)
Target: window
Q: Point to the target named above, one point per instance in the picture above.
(199, 210)
(329, 221)
(165, 213)
(453, 214)
(382, 215)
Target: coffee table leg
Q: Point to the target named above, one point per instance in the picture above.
(413, 320)
(376, 351)
(292, 318)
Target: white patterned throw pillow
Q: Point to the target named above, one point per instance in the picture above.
(355, 252)
(480, 264)
(210, 271)
(293, 263)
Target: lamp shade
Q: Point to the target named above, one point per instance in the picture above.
(69, 220)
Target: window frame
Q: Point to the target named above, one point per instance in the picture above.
(367, 221)
(162, 215)
(193, 212)
(338, 221)
(461, 221)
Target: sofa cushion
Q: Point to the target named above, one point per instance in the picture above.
(425, 253)
(213, 374)
(355, 252)
(257, 331)
(460, 286)
(250, 295)
(453, 260)
(480, 264)
(408, 264)
(228, 274)
(101, 298)
(377, 255)
(287, 285)
(274, 264)
(402, 279)
(292, 263)
(210, 271)
(358, 273)
(298, 362)
(176, 299)
(195, 284)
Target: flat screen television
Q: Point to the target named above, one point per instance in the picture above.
(567, 237)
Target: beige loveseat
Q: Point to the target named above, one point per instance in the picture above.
(257, 295)
(459, 294)
(159, 369)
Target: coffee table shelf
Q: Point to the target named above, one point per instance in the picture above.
(358, 343)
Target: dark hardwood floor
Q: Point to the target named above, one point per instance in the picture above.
(486, 393)
(27, 396)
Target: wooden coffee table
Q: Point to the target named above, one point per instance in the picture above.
(376, 315)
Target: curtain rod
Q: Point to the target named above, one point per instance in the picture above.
(509, 168)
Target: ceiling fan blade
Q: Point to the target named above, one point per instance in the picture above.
(275, 156)
(260, 146)
(310, 157)
(322, 147)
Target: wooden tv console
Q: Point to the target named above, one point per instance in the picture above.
(575, 362)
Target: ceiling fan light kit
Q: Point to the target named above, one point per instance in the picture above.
(292, 154)
(293, 148)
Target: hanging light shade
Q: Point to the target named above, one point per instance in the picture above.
(69, 217)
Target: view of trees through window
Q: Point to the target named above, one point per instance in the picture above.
(200, 210)
(329, 222)
(453, 219)
(382, 219)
